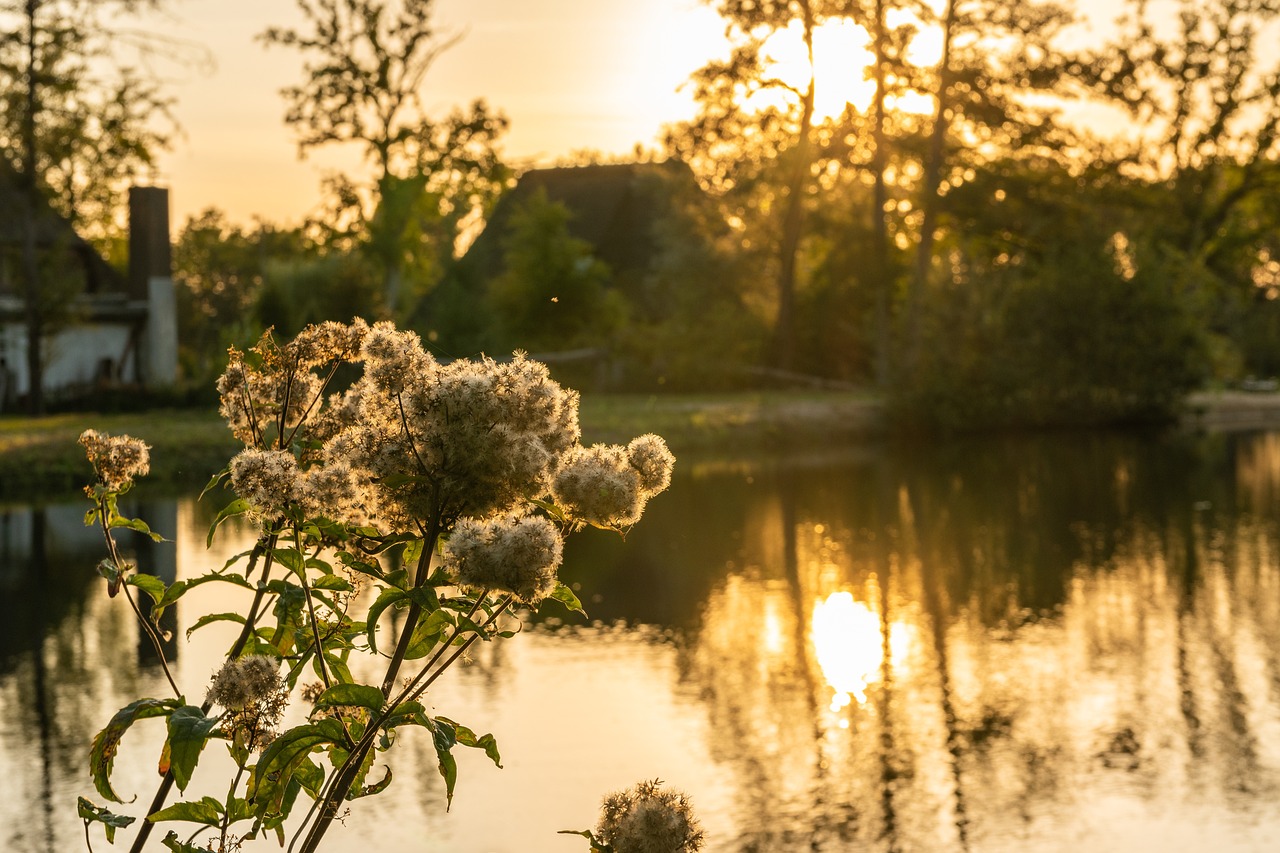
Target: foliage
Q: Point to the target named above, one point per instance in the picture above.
(78, 114)
(552, 293)
(442, 492)
(76, 125)
(366, 60)
(220, 270)
(1102, 333)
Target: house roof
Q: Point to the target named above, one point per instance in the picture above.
(52, 231)
(612, 206)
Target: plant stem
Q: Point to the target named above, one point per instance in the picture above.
(415, 609)
(166, 784)
(345, 776)
(105, 515)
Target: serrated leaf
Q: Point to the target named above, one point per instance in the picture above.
(150, 584)
(291, 559)
(135, 524)
(189, 731)
(334, 583)
(237, 507)
(467, 737)
(384, 600)
(91, 813)
(106, 743)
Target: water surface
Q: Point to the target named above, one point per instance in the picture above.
(1062, 642)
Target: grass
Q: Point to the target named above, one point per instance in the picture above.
(40, 459)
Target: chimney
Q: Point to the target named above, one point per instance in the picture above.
(148, 238)
(150, 279)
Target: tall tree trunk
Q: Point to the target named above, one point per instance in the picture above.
(931, 199)
(879, 198)
(34, 309)
(793, 216)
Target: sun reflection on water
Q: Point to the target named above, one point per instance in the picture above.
(849, 645)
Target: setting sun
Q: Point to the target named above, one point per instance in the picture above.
(840, 61)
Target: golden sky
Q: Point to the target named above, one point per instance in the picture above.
(570, 74)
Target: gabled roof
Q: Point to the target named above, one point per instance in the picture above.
(52, 232)
(612, 206)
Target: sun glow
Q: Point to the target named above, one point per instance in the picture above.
(841, 59)
(848, 644)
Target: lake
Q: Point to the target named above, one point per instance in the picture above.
(1050, 643)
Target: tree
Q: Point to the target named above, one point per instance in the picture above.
(366, 61)
(220, 270)
(752, 139)
(1206, 102)
(996, 90)
(76, 127)
(552, 293)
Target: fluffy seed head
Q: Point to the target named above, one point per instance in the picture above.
(518, 554)
(116, 460)
(648, 819)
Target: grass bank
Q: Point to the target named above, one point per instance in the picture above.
(40, 459)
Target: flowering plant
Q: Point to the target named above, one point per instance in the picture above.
(440, 490)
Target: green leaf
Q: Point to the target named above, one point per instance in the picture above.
(376, 788)
(282, 759)
(387, 598)
(135, 524)
(209, 618)
(150, 584)
(359, 695)
(172, 593)
(172, 842)
(291, 558)
(207, 811)
(91, 813)
(231, 510)
(189, 731)
(565, 596)
(364, 567)
(467, 737)
(213, 482)
(335, 583)
(408, 713)
(442, 737)
(552, 510)
(106, 743)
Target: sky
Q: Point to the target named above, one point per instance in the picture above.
(571, 75)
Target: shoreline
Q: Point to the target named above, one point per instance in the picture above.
(40, 458)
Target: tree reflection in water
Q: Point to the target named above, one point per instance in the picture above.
(1057, 642)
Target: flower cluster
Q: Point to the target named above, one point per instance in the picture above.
(472, 439)
(413, 444)
(116, 460)
(254, 696)
(274, 387)
(648, 819)
(609, 485)
(516, 554)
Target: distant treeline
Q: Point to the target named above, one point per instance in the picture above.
(1009, 231)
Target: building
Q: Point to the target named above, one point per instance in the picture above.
(116, 331)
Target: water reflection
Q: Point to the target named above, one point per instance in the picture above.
(1058, 642)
